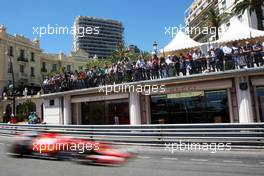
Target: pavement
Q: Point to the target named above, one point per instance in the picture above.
(147, 162)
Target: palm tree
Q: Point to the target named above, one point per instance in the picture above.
(214, 20)
(120, 53)
(253, 6)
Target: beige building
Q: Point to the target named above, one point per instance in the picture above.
(54, 62)
(25, 57)
(30, 66)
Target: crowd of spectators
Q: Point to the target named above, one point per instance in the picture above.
(226, 57)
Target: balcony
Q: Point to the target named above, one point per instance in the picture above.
(22, 59)
(23, 75)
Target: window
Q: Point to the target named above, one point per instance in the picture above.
(22, 69)
(104, 112)
(240, 18)
(22, 53)
(227, 25)
(52, 102)
(32, 72)
(10, 52)
(224, 4)
(190, 107)
(32, 58)
(43, 65)
(68, 67)
(260, 97)
(54, 67)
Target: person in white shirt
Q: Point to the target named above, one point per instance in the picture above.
(196, 56)
(228, 61)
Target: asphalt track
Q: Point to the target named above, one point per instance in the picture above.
(147, 162)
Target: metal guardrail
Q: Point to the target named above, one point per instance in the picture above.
(250, 135)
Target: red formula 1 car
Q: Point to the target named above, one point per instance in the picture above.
(53, 145)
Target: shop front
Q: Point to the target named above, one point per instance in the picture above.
(101, 109)
(190, 107)
(260, 99)
(105, 112)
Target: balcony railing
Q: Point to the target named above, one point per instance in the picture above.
(23, 75)
(21, 59)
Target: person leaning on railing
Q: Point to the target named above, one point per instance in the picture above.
(228, 60)
(247, 52)
(257, 53)
(155, 64)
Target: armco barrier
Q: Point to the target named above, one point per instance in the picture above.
(239, 135)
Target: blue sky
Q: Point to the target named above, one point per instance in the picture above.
(144, 20)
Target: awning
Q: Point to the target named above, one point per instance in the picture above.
(180, 42)
(238, 31)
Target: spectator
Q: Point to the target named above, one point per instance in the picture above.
(192, 62)
(219, 59)
(228, 61)
(163, 68)
(236, 55)
(196, 56)
(257, 49)
(155, 65)
(247, 50)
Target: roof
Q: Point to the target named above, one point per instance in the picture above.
(239, 31)
(179, 42)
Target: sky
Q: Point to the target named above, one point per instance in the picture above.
(145, 21)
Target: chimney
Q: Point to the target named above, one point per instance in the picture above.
(2, 28)
(36, 41)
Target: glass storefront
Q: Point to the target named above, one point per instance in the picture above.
(105, 112)
(260, 97)
(190, 107)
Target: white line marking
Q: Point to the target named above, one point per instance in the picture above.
(261, 162)
(173, 159)
(231, 161)
(143, 157)
(202, 160)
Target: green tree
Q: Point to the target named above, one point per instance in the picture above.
(98, 63)
(62, 69)
(120, 54)
(24, 109)
(253, 6)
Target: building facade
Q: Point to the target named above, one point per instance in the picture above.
(235, 96)
(196, 18)
(30, 67)
(24, 55)
(104, 37)
(52, 63)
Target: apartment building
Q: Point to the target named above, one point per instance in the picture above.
(196, 18)
(104, 37)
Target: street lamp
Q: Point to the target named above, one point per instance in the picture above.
(12, 86)
(155, 47)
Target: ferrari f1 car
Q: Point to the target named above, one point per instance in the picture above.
(53, 145)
